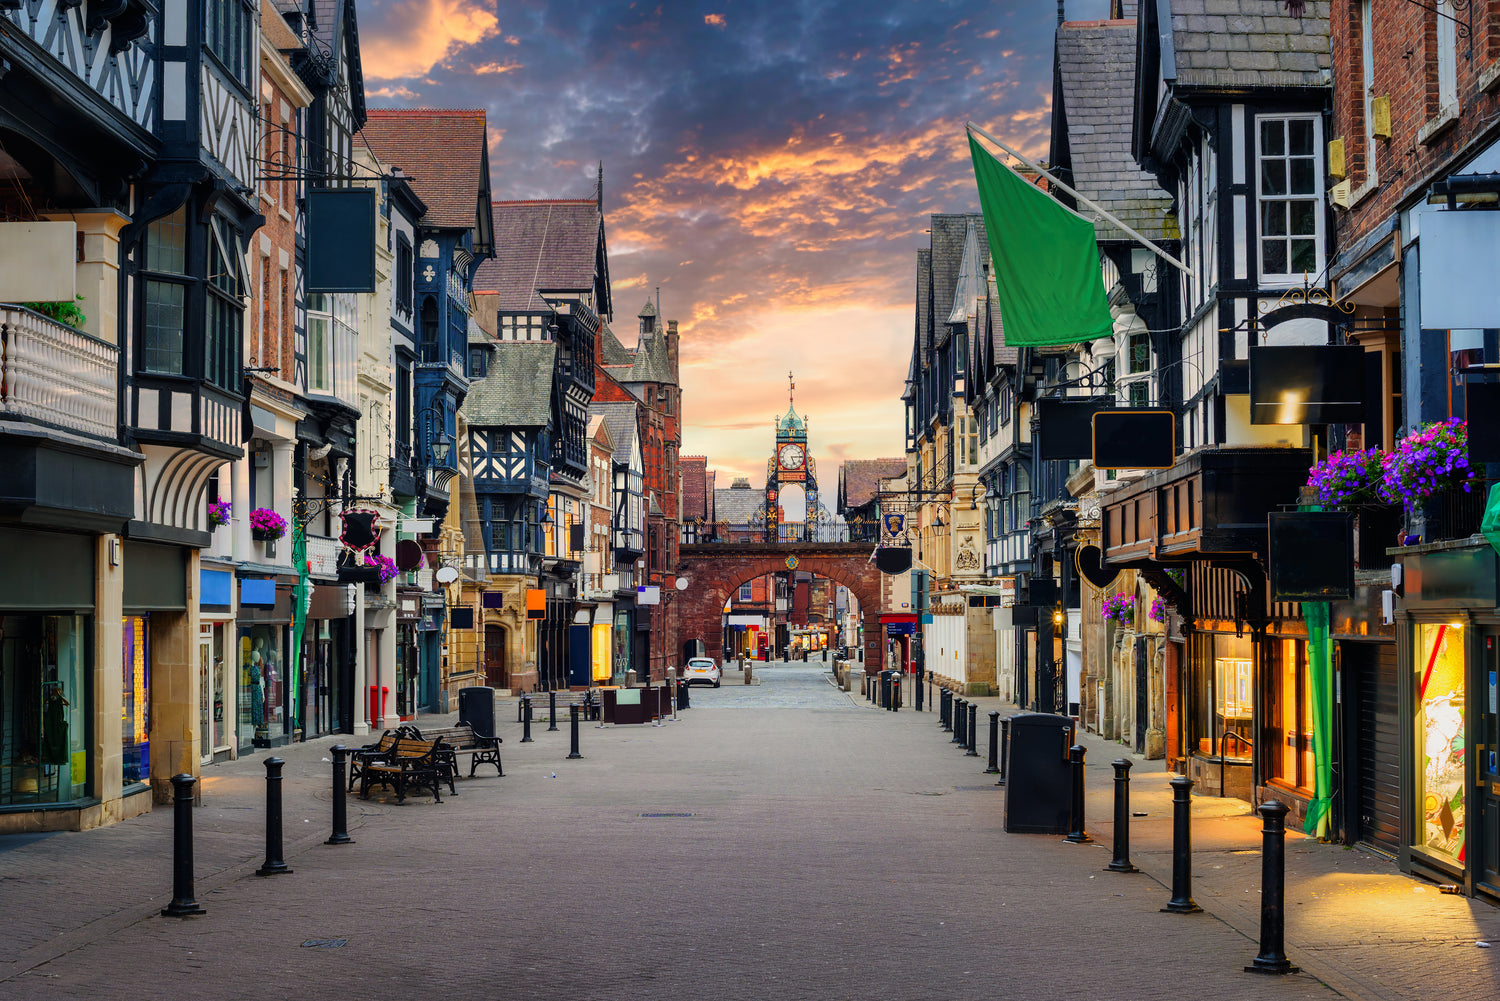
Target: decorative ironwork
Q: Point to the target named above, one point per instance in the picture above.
(1310, 294)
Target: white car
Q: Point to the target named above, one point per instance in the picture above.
(702, 671)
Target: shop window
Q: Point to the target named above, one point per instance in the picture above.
(135, 713)
(1222, 696)
(1439, 664)
(260, 706)
(1291, 197)
(44, 699)
(1288, 716)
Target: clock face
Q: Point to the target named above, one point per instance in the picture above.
(791, 457)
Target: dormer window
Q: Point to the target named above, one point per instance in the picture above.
(478, 363)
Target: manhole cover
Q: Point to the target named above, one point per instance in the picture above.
(666, 815)
(325, 943)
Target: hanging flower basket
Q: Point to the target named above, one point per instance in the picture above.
(1347, 479)
(1432, 460)
(384, 564)
(1118, 608)
(266, 524)
(219, 513)
(1158, 610)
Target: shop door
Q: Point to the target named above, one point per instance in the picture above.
(494, 657)
(205, 696)
(1142, 671)
(1487, 764)
(1373, 745)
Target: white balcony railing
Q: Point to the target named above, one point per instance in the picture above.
(55, 374)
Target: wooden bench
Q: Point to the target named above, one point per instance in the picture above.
(541, 705)
(361, 756)
(411, 763)
(462, 739)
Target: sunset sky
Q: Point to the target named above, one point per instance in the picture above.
(770, 165)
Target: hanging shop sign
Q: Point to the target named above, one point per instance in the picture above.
(361, 529)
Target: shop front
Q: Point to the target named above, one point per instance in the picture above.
(408, 650)
(263, 634)
(1448, 701)
(44, 711)
(900, 631)
(217, 694)
(327, 666)
(429, 629)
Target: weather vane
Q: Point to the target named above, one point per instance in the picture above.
(791, 388)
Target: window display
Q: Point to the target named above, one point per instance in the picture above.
(44, 756)
(1234, 705)
(1440, 737)
(261, 708)
(135, 711)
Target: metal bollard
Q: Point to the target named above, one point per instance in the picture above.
(340, 834)
(183, 905)
(573, 720)
(929, 690)
(1121, 862)
(994, 765)
(945, 709)
(960, 717)
(896, 680)
(1272, 958)
(273, 865)
(526, 719)
(916, 684)
(971, 731)
(1077, 835)
(552, 710)
(1182, 850)
(1004, 748)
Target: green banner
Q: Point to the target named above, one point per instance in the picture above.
(1320, 670)
(1045, 260)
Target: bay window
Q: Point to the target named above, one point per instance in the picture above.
(1290, 173)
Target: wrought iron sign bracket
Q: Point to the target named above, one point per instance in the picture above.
(1462, 28)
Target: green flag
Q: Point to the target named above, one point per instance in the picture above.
(1045, 259)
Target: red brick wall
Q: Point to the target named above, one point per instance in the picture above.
(270, 340)
(1405, 70)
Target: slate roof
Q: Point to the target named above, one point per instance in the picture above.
(442, 151)
(1246, 43)
(737, 505)
(1096, 64)
(620, 419)
(949, 234)
(924, 306)
(614, 352)
(517, 388)
(969, 287)
(550, 245)
(651, 361)
(859, 479)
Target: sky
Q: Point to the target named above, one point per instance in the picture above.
(769, 165)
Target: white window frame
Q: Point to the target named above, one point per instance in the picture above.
(1367, 69)
(1317, 197)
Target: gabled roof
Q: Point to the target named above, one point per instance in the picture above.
(652, 363)
(1234, 44)
(444, 154)
(620, 419)
(551, 245)
(970, 285)
(1095, 64)
(614, 352)
(949, 234)
(859, 479)
(517, 388)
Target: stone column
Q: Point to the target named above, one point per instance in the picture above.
(108, 697)
(362, 679)
(98, 273)
(175, 686)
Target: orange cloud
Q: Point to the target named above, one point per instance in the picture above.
(717, 20)
(417, 35)
(498, 68)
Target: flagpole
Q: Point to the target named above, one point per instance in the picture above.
(1082, 198)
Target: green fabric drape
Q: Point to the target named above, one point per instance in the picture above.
(1490, 526)
(299, 613)
(1320, 667)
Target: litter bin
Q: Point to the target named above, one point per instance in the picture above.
(476, 707)
(1038, 782)
(682, 694)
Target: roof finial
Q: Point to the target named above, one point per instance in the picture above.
(1061, 13)
(599, 184)
(791, 388)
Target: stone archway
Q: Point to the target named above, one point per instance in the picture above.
(716, 571)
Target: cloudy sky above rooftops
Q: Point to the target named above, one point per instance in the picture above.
(769, 164)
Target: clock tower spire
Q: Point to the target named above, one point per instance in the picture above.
(790, 463)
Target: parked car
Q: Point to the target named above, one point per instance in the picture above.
(702, 671)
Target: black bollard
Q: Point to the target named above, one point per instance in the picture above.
(945, 709)
(183, 905)
(526, 719)
(896, 680)
(971, 731)
(340, 834)
(273, 866)
(552, 710)
(573, 719)
(960, 716)
(1121, 862)
(929, 691)
(1272, 958)
(1076, 835)
(1182, 850)
(917, 692)
(1004, 748)
(994, 765)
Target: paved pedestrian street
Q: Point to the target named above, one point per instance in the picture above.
(782, 840)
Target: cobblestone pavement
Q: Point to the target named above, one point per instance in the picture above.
(818, 849)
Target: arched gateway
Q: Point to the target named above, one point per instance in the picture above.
(715, 571)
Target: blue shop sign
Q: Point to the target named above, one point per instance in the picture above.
(900, 628)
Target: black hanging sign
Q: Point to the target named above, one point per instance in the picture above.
(361, 529)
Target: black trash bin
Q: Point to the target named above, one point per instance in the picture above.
(1038, 782)
(476, 707)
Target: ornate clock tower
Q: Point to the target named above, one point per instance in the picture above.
(790, 463)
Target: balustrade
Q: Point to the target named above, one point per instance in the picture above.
(55, 374)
